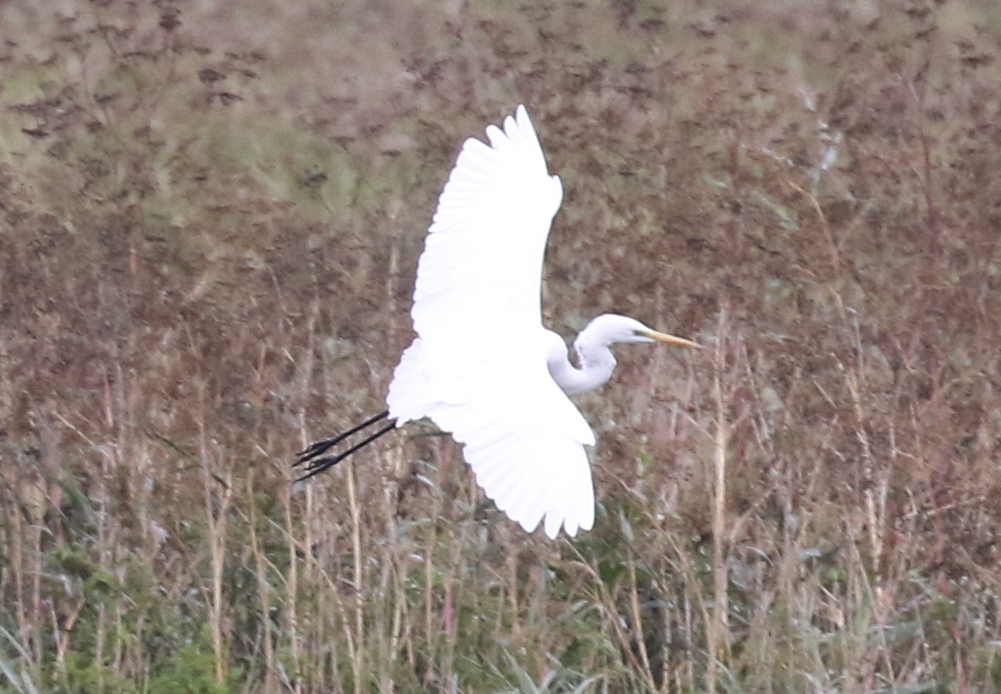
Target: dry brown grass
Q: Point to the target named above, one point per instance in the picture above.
(208, 234)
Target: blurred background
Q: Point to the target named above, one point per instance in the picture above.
(210, 216)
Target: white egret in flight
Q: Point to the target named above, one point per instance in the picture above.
(482, 367)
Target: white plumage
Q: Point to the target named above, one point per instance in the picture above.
(482, 366)
(478, 368)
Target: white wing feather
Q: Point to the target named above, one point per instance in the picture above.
(478, 366)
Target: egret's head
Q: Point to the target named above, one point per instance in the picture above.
(612, 328)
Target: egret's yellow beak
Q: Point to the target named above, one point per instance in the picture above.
(669, 339)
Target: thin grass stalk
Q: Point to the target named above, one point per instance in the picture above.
(448, 616)
(392, 596)
(62, 628)
(217, 541)
(399, 609)
(407, 629)
(105, 530)
(32, 625)
(639, 637)
(292, 587)
(16, 559)
(612, 618)
(665, 661)
(511, 562)
(358, 660)
(430, 673)
(383, 630)
(342, 620)
(718, 626)
(691, 586)
(263, 588)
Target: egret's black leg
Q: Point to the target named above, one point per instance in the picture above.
(314, 465)
(320, 447)
(315, 460)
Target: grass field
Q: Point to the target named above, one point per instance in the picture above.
(210, 215)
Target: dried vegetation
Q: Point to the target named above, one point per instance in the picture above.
(209, 221)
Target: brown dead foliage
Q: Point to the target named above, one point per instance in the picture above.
(188, 297)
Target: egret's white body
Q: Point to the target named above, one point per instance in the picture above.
(482, 366)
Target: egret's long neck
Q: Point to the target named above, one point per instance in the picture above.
(596, 365)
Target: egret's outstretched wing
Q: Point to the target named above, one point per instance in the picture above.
(482, 261)
(478, 367)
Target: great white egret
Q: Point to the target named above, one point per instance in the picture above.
(482, 367)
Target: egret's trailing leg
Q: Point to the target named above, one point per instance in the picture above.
(316, 462)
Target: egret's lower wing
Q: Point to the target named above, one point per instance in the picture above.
(522, 436)
(529, 470)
